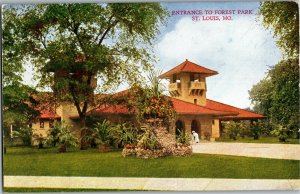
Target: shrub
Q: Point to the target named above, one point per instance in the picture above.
(39, 139)
(232, 129)
(183, 138)
(281, 132)
(125, 134)
(53, 138)
(255, 130)
(149, 141)
(244, 128)
(63, 136)
(101, 132)
(25, 134)
(266, 127)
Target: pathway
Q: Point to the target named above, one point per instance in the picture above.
(264, 150)
(154, 184)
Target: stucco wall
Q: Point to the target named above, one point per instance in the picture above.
(185, 87)
(215, 128)
(36, 129)
(204, 124)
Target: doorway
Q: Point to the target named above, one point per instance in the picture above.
(195, 127)
(179, 126)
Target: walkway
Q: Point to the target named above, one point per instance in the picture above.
(154, 184)
(264, 150)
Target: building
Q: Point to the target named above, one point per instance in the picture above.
(187, 90)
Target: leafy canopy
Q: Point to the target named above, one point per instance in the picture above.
(283, 18)
(277, 95)
(79, 42)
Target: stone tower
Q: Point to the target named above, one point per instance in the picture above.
(188, 82)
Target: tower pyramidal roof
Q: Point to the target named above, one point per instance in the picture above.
(188, 66)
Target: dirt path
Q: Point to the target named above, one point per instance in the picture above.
(263, 150)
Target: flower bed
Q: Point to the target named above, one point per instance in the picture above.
(182, 150)
(144, 153)
(179, 150)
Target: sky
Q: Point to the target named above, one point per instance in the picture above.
(241, 49)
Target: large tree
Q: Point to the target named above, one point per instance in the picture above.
(78, 42)
(19, 106)
(277, 95)
(283, 18)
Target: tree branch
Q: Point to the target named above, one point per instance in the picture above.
(75, 99)
(106, 31)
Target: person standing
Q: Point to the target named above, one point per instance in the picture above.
(195, 137)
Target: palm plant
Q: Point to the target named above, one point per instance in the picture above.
(101, 133)
(156, 88)
(63, 136)
(183, 138)
(67, 139)
(149, 141)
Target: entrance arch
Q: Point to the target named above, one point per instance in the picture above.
(195, 127)
(179, 126)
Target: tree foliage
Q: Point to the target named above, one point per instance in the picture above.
(277, 96)
(283, 18)
(79, 42)
(19, 107)
(149, 102)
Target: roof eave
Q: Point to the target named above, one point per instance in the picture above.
(168, 75)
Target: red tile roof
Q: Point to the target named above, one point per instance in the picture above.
(46, 114)
(182, 107)
(188, 66)
(243, 114)
(113, 109)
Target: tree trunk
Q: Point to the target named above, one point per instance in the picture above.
(83, 133)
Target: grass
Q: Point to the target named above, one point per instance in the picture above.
(47, 162)
(260, 140)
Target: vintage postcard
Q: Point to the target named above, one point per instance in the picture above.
(150, 96)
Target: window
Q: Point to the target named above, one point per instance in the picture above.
(201, 93)
(174, 78)
(213, 122)
(195, 101)
(41, 124)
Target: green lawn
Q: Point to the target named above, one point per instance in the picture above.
(31, 161)
(260, 140)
